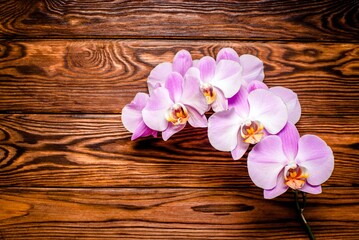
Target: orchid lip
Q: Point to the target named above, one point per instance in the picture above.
(177, 114)
(208, 92)
(295, 177)
(252, 131)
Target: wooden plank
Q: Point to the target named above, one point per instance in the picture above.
(101, 76)
(96, 151)
(173, 214)
(325, 20)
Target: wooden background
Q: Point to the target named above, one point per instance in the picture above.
(67, 166)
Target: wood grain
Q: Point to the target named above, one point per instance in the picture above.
(68, 169)
(172, 214)
(96, 151)
(325, 20)
(101, 76)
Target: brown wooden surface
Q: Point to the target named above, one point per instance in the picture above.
(326, 20)
(101, 76)
(172, 214)
(68, 169)
(67, 150)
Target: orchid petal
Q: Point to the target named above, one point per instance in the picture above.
(266, 161)
(253, 85)
(159, 75)
(192, 95)
(311, 189)
(182, 61)
(154, 114)
(223, 130)
(207, 67)
(228, 77)
(142, 131)
(195, 63)
(279, 189)
(240, 103)
(132, 113)
(195, 118)
(227, 54)
(193, 73)
(172, 129)
(290, 99)
(317, 157)
(290, 137)
(221, 102)
(174, 84)
(252, 68)
(269, 109)
(240, 149)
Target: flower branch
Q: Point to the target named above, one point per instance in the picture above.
(246, 112)
(300, 210)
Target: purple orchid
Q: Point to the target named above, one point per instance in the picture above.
(169, 108)
(132, 117)
(286, 160)
(219, 81)
(182, 61)
(248, 117)
(252, 66)
(289, 98)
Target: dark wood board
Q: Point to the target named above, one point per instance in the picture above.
(325, 20)
(101, 76)
(68, 169)
(171, 213)
(96, 151)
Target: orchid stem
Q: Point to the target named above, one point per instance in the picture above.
(300, 210)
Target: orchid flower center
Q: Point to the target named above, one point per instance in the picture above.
(295, 177)
(252, 131)
(177, 114)
(208, 92)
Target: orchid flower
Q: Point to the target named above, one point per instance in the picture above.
(132, 117)
(289, 98)
(248, 117)
(286, 160)
(169, 108)
(182, 61)
(252, 66)
(219, 81)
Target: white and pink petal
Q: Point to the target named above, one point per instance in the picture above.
(254, 85)
(223, 130)
(154, 113)
(228, 77)
(132, 113)
(265, 161)
(227, 54)
(240, 149)
(291, 101)
(171, 129)
(143, 131)
(252, 68)
(207, 68)
(182, 61)
(195, 118)
(290, 138)
(279, 189)
(269, 109)
(317, 157)
(158, 75)
(221, 102)
(311, 189)
(240, 103)
(174, 84)
(192, 95)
